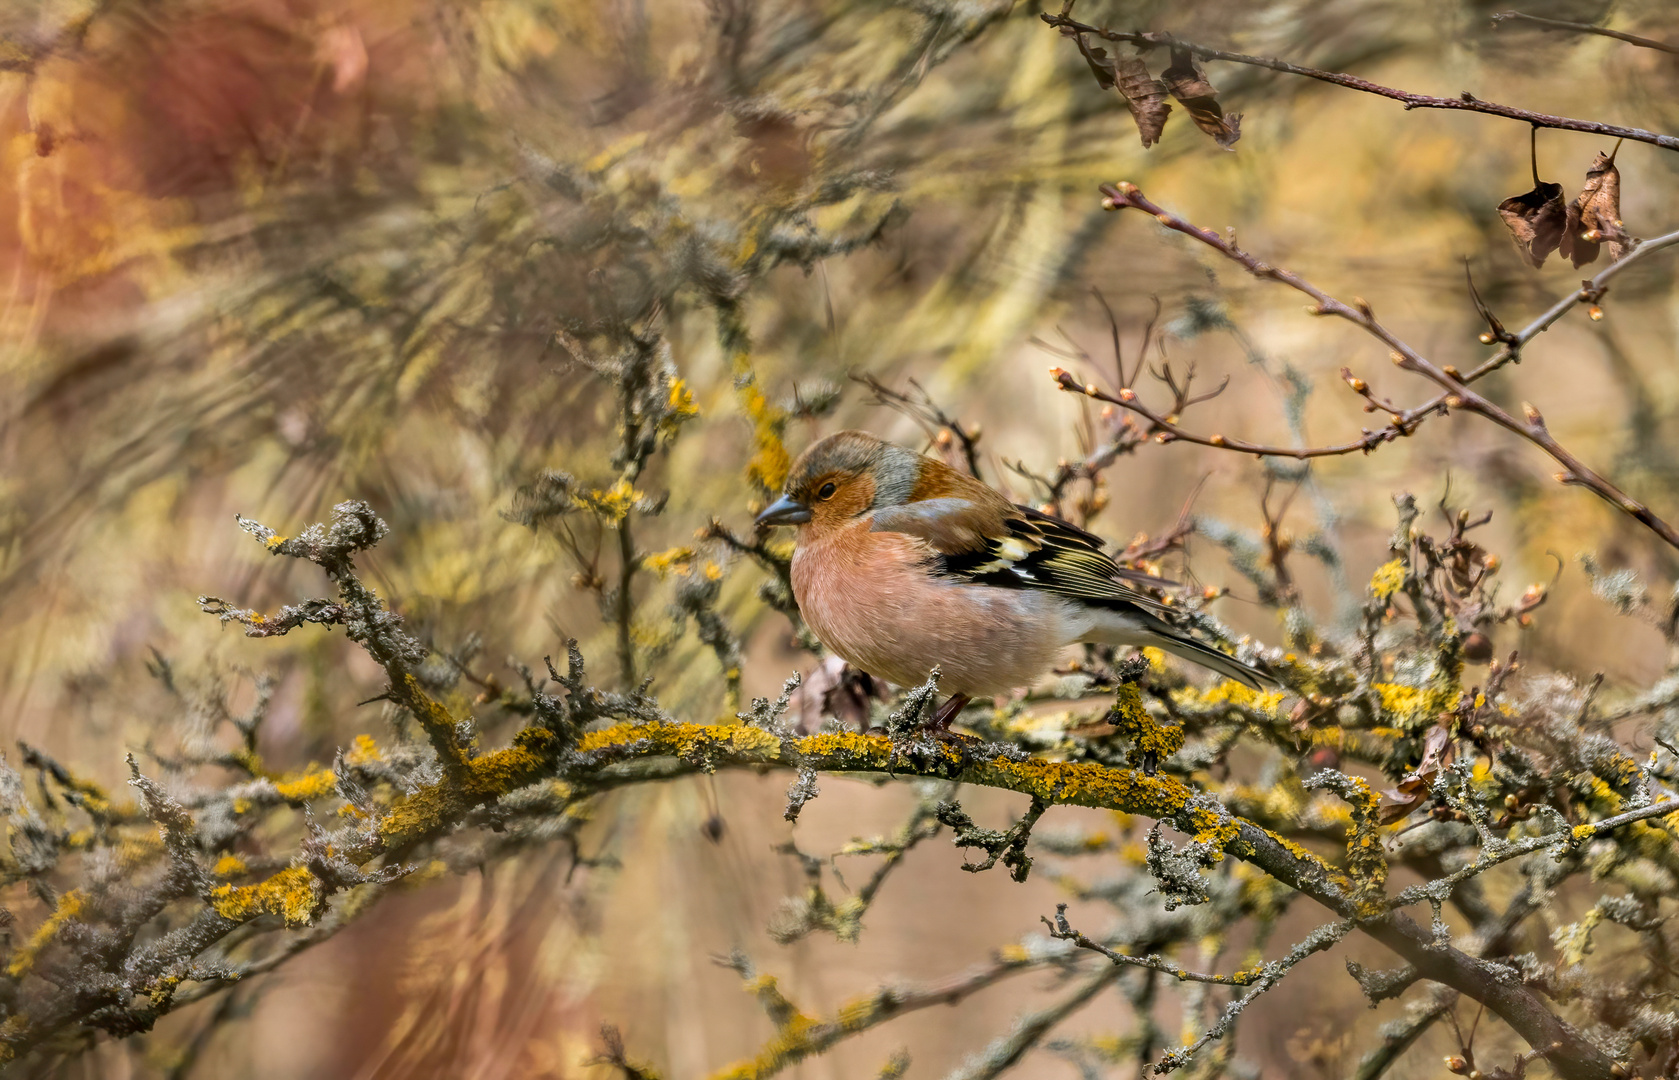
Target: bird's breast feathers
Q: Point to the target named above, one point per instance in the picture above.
(878, 600)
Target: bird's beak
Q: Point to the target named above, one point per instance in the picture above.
(783, 511)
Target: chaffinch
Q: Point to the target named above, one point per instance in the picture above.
(904, 564)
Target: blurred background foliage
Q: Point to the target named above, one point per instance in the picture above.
(260, 256)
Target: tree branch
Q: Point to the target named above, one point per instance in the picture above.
(1465, 102)
(1457, 393)
(1584, 28)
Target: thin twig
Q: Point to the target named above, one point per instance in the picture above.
(1062, 930)
(1457, 393)
(1465, 102)
(1585, 28)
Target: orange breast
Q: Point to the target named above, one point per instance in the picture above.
(871, 598)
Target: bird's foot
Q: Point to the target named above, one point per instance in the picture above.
(939, 725)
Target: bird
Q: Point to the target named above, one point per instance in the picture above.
(903, 564)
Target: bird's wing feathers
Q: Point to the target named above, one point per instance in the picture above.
(992, 542)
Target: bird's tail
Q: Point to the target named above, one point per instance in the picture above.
(1178, 643)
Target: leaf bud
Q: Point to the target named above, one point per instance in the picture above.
(1452, 371)
(1454, 402)
(1127, 394)
(1126, 187)
(1363, 307)
(1164, 219)
(1108, 203)
(1397, 358)
(1595, 313)
(1491, 563)
(1217, 440)
(1511, 802)
(1532, 414)
(1359, 385)
(1487, 338)
(1455, 1064)
(1091, 390)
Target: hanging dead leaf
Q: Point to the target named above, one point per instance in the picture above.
(1145, 95)
(1188, 83)
(1594, 217)
(1101, 65)
(1399, 802)
(1537, 219)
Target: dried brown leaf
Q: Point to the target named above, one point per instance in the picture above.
(1145, 95)
(1595, 213)
(1188, 83)
(1399, 802)
(1536, 221)
(1101, 65)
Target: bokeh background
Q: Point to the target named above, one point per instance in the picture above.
(260, 256)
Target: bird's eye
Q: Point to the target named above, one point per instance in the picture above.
(826, 491)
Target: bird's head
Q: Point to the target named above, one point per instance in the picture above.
(844, 476)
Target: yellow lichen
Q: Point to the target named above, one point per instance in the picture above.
(427, 710)
(314, 783)
(1411, 707)
(664, 562)
(1388, 579)
(294, 894)
(230, 866)
(770, 461)
(679, 406)
(69, 906)
(1233, 693)
(363, 751)
(612, 504)
(1149, 738)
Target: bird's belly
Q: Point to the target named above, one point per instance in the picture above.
(897, 623)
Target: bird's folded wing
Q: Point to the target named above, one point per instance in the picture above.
(1017, 547)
